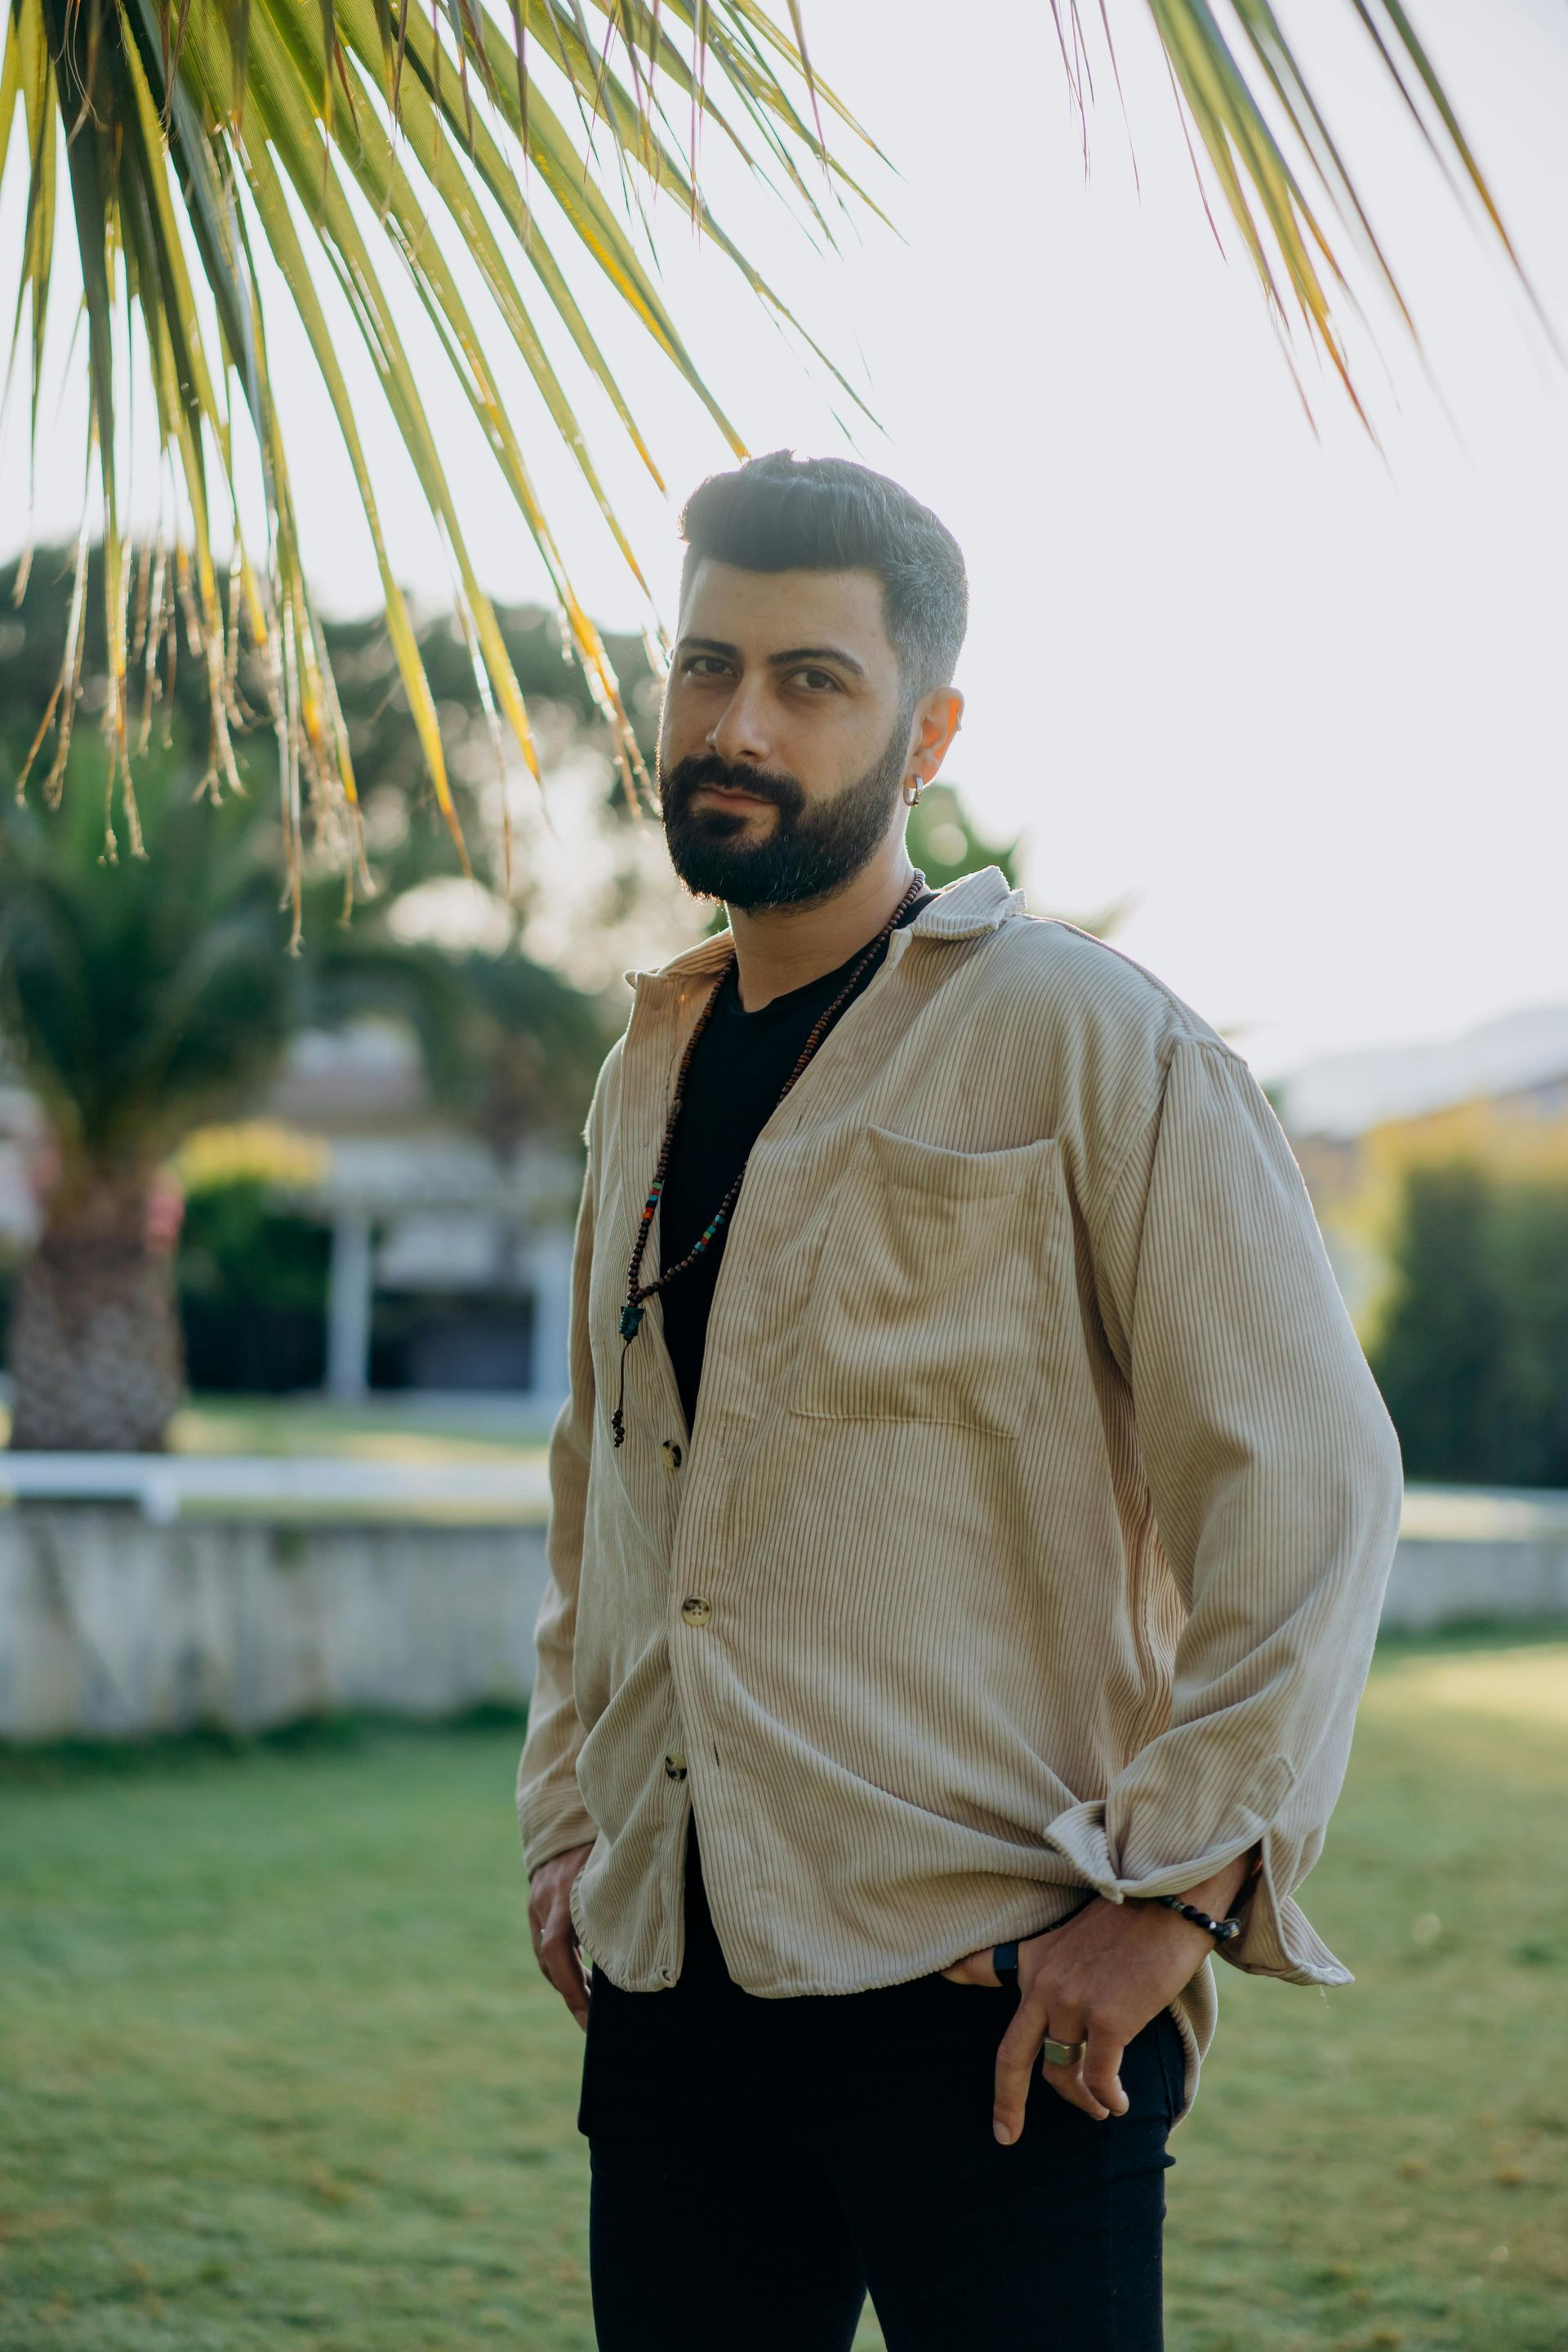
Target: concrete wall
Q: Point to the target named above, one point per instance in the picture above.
(1436, 1580)
(113, 1624)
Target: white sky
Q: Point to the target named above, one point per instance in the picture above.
(1304, 703)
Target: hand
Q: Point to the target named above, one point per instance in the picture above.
(554, 1937)
(1099, 1978)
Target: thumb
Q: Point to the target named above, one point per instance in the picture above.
(979, 1968)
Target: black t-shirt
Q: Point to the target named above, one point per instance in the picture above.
(731, 1090)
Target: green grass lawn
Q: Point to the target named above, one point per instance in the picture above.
(277, 2069)
(452, 1428)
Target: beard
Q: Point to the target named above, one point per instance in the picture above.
(811, 850)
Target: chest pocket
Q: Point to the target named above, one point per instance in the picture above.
(936, 1286)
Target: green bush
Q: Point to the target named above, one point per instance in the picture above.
(1472, 1358)
(253, 1291)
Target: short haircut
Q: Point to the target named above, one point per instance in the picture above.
(783, 513)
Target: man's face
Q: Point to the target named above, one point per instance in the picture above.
(787, 733)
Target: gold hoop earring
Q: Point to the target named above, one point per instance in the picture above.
(912, 800)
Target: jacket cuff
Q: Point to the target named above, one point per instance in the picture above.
(548, 1830)
(1277, 1938)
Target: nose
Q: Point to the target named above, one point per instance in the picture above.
(741, 736)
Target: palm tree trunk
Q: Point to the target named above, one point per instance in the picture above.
(97, 1356)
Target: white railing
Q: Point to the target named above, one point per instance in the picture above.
(163, 1485)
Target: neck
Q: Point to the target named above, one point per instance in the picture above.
(781, 948)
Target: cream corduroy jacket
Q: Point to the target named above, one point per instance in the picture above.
(1033, 1535)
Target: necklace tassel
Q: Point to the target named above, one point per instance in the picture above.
(618, 1418)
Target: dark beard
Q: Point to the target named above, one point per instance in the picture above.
(811, 852)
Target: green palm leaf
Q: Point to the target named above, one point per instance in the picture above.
(200, 135)
(1266, 136)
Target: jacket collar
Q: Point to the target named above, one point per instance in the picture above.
(976, 902)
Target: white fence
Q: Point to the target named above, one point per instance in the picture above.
(163, 1486)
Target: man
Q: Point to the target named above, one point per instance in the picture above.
(972, 1527)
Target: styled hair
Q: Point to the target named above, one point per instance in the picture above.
(784, 513)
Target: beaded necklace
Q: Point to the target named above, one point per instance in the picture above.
(633, 1311)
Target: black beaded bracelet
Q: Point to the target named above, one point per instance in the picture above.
(1222, 1930)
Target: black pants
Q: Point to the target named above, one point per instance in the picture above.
(758, 2165)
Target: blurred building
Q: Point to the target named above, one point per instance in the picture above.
(451, 1268)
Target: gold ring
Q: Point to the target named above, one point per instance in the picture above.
(1062, 2053)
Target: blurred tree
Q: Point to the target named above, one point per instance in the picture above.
(944, 842)
(1472, 1350)
(143, 994)
(135, 1003)
(253, 1279)
(254, 1263)
(382, 737)
(1444, 1328)
(1530, 1252)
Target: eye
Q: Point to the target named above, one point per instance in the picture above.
(817, 681)
(704, 665)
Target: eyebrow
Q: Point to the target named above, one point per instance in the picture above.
(786, 660)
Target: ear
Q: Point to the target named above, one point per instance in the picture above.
(936, 722)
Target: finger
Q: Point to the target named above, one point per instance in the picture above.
(974, 1968)
(566, 1971)
(538, 1929)
(1015, 2056)
(1070, 2082)
(1100, 2071)
(559, 1959)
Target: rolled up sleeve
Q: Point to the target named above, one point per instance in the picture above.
(1273, 1475)
(551, 1813)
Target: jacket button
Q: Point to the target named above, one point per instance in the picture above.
(675, 1765)
(672, 1455)
(695, 1609)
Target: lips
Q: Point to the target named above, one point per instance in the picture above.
(727, 797)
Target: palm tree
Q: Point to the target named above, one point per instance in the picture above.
(138, 1002)
(199, 137)
(142, 999)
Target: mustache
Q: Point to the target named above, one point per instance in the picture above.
(689, 776)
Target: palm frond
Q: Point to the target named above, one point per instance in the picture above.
(198, 136)
(208, 142)
(1245, 96)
